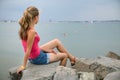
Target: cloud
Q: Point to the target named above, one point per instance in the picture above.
(63, 9)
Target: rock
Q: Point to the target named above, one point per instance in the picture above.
(101, 66)
(113, 76)
(64, 73)
(113, 55)
(50, 72)
(39, 72)
(87, 76)
(86, 69)
(34, 72)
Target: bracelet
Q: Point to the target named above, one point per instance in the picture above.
(22, 67)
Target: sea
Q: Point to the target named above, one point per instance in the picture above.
(81, 39)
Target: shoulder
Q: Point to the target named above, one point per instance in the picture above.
(31, 32)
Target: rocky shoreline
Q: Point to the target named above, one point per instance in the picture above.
(100, 68)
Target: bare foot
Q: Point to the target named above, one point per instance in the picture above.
(73, 61)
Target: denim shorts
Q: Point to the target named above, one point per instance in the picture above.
(43, 58)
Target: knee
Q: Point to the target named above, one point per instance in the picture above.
(57, 40)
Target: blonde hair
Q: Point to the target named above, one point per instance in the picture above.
(29, 14)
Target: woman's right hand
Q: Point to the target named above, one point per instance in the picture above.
(52, 51)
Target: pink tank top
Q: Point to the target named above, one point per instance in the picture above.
(35, 51)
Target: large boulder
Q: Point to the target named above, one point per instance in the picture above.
(34, 72)
(113, 76)
(113, 55)
(64, 73)
(39, 72)
(101, 66)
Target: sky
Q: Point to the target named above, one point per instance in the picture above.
(62, 10)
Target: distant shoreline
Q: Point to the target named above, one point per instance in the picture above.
(92, 21)
(86, 21)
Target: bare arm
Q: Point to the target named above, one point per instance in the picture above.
(31, 35)
(30, 40)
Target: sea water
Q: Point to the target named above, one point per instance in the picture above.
(86, 40)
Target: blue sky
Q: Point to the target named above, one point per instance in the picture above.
(59, 10)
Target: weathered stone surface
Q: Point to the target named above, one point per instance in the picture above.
(113, 76)
(113, 55)
(39, 72)
(101, 66)
(86, 76)
(34, 72)
(64, 73)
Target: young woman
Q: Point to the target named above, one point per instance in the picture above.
(30, 39)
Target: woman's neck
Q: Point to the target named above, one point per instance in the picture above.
(32, 25)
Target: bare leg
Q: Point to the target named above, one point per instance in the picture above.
(63, 62)
(57, 44)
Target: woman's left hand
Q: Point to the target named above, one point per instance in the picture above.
(20, 69)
